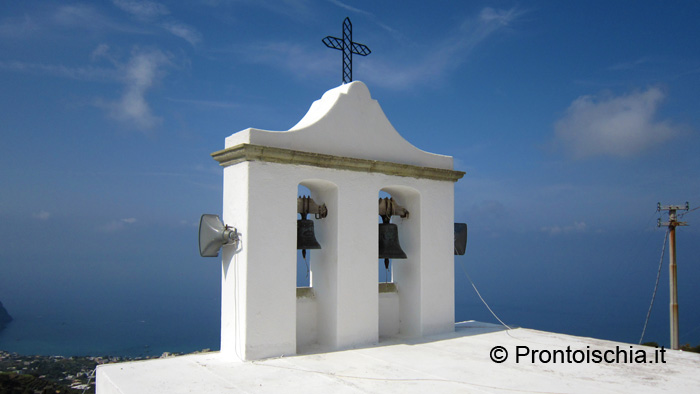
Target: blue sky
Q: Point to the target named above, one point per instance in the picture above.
(571, 120)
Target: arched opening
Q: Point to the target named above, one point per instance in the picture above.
(399, 284)
(316, 264)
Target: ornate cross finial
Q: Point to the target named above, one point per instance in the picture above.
(348, 47)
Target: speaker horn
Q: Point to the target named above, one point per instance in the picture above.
(460, 239)
(213, 234)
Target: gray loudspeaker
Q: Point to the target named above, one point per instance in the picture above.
(213, 234)
(460, 238)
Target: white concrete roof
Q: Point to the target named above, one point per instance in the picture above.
(345, 122)
(458, 362)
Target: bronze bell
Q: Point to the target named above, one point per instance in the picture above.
(306, 238)
(389, 247)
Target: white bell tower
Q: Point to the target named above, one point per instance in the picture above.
(345, 152)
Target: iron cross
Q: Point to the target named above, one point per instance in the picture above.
(348, 47)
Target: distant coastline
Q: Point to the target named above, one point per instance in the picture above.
(5, 317)
(20, 373)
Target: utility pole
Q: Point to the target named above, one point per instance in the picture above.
(672, 223)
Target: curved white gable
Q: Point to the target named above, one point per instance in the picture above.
(346, 121)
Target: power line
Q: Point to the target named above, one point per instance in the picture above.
(656, 286)
(688, 211)
(480, 297)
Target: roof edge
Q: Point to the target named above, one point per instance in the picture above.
(249, 152)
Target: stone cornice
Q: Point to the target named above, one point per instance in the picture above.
(248, 152)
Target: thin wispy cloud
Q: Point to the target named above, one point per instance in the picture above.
(297, 9)
(446, 55)
(368, 14)
(138, 75)
(576, 227)
(189, 223)
(78, 15)
(502, 17)
(207, 103)
(350, 8)
(103, 51)
(84, 73)
(297, 59)
(18, 27)
(86, 17)
(436, 63)
(42, 215)
(623, 66)
(618, 126)
(183, 31)
(159, 15)
(59, 17)
(116, 225)
(142, 9)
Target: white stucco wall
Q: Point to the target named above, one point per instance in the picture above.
(345, 121)
(389, 323)
(307, 322)
(259, 280)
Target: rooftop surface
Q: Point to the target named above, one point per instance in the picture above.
(457, 362)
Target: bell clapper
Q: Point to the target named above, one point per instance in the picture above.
(303, 251)
(386, 270)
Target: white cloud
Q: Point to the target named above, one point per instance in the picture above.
(78, 15)
(577, 227)
(85, 73)
(207, 103)
(101, 51)
(189, 223)
(292, 57)
(116, 225)
(140, 73)
(150, 11)
(183, 31)
(630, 65)
(434, 63)
(18, 27)
(142, 9)
(446, 55)
(502, 17)
(367, 14)
(86, 17)
(61, 16)
(42, 215)
(614, 126)
(350, 8)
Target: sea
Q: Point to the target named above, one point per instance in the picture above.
(182, 320)
(152, 331)
(112, 330)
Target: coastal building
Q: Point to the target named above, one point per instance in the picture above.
(347, 332)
